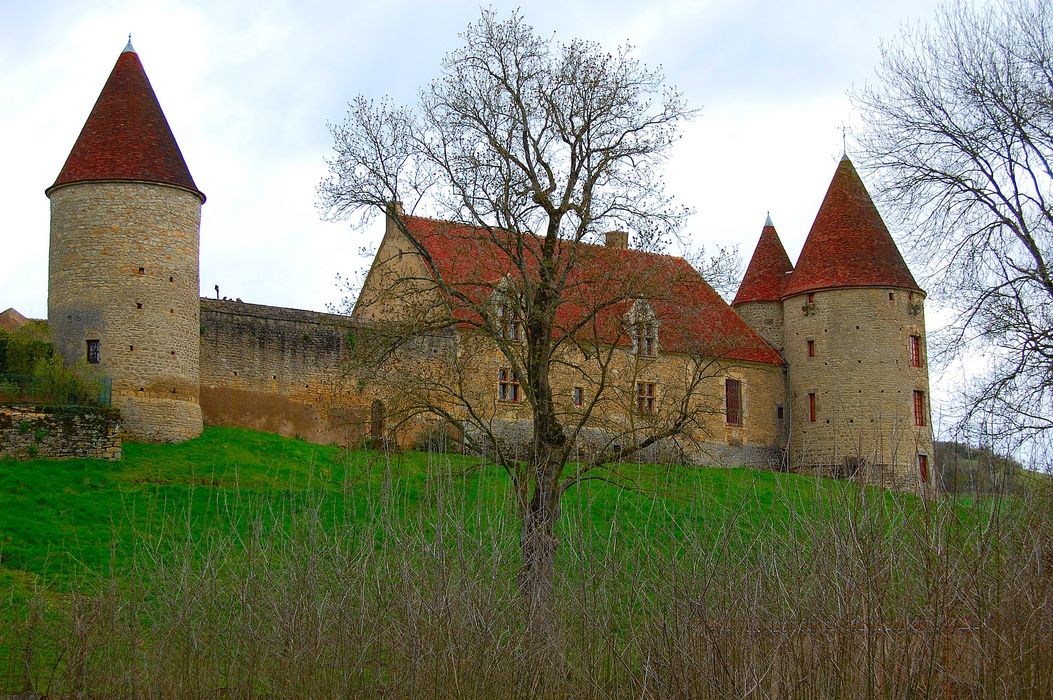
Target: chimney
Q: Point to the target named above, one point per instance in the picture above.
(393, 211)
(616, 239)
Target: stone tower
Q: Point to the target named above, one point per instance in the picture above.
(759, 298)
(853, 340)
(123, 263)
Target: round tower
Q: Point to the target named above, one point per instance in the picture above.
(854, 343)
(123, 262)
(759, 297)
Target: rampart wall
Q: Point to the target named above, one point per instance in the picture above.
(280, 370)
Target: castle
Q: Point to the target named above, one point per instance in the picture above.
(822, 363)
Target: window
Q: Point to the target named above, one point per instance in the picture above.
(733, 401)
(811, 408)
(811, 348)
(645, 340)
(643, 327)
(509, 325)
(93, 352)
(892, 297)
(645, 397)
(915, 351)
(508, 385)
(919, 408)
(779, 412)
(923, 467)
(579, 397)
(811, 297)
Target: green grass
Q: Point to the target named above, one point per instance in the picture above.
(240, 550)
(67, 520)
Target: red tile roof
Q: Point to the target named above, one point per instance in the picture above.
(849, 245)
(692, 316)
(766, 274)
(126, 136)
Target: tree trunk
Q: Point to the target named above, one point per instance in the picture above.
(538, 543)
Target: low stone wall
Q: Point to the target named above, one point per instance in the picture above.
(59, 432)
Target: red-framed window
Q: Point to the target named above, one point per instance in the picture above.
(919, 407)
(811, 297)
(811, 408)
(508, 386)
(915, 351)
(645, 398)
(733, 401)
(923, 467)
(811, 348)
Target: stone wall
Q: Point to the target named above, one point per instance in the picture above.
(281, 370)
(123, 270)
(765, 317)
(862, 378)
(59, 433)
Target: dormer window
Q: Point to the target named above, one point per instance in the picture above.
(643, 326)
(645, 339)
(508, 319)
(509, 326)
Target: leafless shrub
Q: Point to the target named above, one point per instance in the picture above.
(862, 594)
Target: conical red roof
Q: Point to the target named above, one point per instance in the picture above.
(126, 136)
(766, 273)
(849, 245)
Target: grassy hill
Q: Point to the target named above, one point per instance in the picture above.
(66, 520)
(244, 564)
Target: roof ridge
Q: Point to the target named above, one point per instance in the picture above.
(539, 236)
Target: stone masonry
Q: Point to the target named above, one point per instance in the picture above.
(123, 270)
(59, 433)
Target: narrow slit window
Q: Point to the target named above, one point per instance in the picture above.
(811, 297)
(579, 397)
(919, 408)
(923, 467)
(915, 351)
(811, 408)
(733, 401)
(811, 348)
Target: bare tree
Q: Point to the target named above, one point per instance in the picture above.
(959, 133)
(531, 148)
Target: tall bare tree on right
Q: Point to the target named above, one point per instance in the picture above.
(958, 132)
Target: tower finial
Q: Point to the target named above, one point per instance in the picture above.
(767, 221)
(129, 46)
(844, 142)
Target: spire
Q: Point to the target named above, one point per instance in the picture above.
(129, 48)
(767, 270)
(126, 136)
(849, 245)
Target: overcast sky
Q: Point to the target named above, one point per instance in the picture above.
(248, 89)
